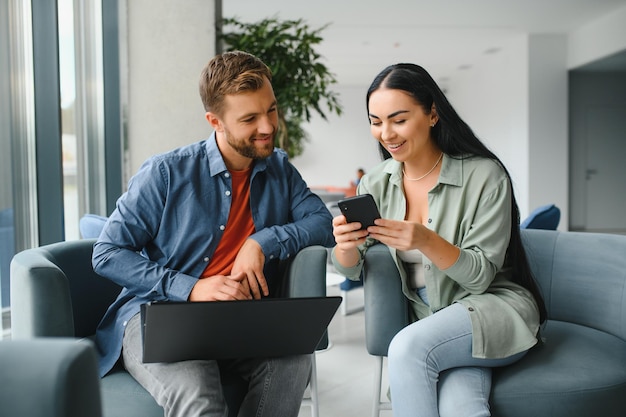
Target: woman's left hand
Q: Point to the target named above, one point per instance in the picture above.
(399, 234)
(407, 235)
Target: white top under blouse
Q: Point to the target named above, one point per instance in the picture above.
(414, 270)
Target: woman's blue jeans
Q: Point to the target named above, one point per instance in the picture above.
(432, 372)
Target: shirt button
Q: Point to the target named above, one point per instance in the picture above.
(470, 308)
(227, 193)
(427, 267)
(227, 174)
(222, 227)
(125, 323)
(430, 220)
(271, 256)
(205, 259)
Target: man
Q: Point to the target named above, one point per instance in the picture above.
(209, 221)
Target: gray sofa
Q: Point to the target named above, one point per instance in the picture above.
(49, 378)
(56, 293)
(580, 368)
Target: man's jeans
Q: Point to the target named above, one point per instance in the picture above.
(193, 388)
(432, 372)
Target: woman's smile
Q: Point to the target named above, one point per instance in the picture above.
(393, 147)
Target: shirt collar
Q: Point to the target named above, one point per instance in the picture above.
(216, 161)
(451, 171)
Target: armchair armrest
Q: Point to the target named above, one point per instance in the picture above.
(306, 273)
(55, 291)
(41, 304)
(305, 276)
(49, 378)
(386, 307)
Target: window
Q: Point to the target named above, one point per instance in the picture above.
(82, 98)
(60, 134)
(18, 221)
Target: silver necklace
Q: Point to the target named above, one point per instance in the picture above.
(426, 174)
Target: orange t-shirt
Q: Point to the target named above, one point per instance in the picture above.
(238, 227)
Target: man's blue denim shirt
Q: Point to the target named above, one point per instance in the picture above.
(166, 227)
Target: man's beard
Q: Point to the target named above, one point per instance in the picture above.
(247, 148)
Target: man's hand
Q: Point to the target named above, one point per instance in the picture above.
(250, 261)
(221, 288)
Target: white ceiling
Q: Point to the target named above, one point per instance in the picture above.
(444, 36)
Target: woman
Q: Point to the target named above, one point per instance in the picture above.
(451, 222)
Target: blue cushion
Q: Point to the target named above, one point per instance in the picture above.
(90, 225)
(545, 217)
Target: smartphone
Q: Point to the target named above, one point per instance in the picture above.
(360, 208)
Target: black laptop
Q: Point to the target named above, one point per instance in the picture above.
(270, 327)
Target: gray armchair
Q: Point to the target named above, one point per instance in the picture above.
(49, 378)
(580, 369)
(56, 293)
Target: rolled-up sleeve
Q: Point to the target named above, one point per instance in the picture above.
(483, 245)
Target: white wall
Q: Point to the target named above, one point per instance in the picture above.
(168, 45)
(341, 145)
(493, 100)
(548, 136)
(517, 103)
(598, 39)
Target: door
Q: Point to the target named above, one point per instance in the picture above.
(606, 169)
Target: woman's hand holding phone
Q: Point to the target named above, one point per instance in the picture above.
(350, 228)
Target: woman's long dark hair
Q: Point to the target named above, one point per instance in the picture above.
(456, 139)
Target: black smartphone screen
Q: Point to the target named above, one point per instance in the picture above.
(360, 208)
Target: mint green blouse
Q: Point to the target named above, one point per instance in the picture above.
(470, 207)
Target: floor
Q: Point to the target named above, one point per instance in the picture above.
(345, 371)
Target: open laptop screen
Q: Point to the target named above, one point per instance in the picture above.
(271, 327)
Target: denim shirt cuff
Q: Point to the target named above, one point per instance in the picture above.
(181, 287)
(269, 245)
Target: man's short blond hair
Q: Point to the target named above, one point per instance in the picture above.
(231, 73)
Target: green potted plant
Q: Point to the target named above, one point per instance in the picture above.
(301, 81)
